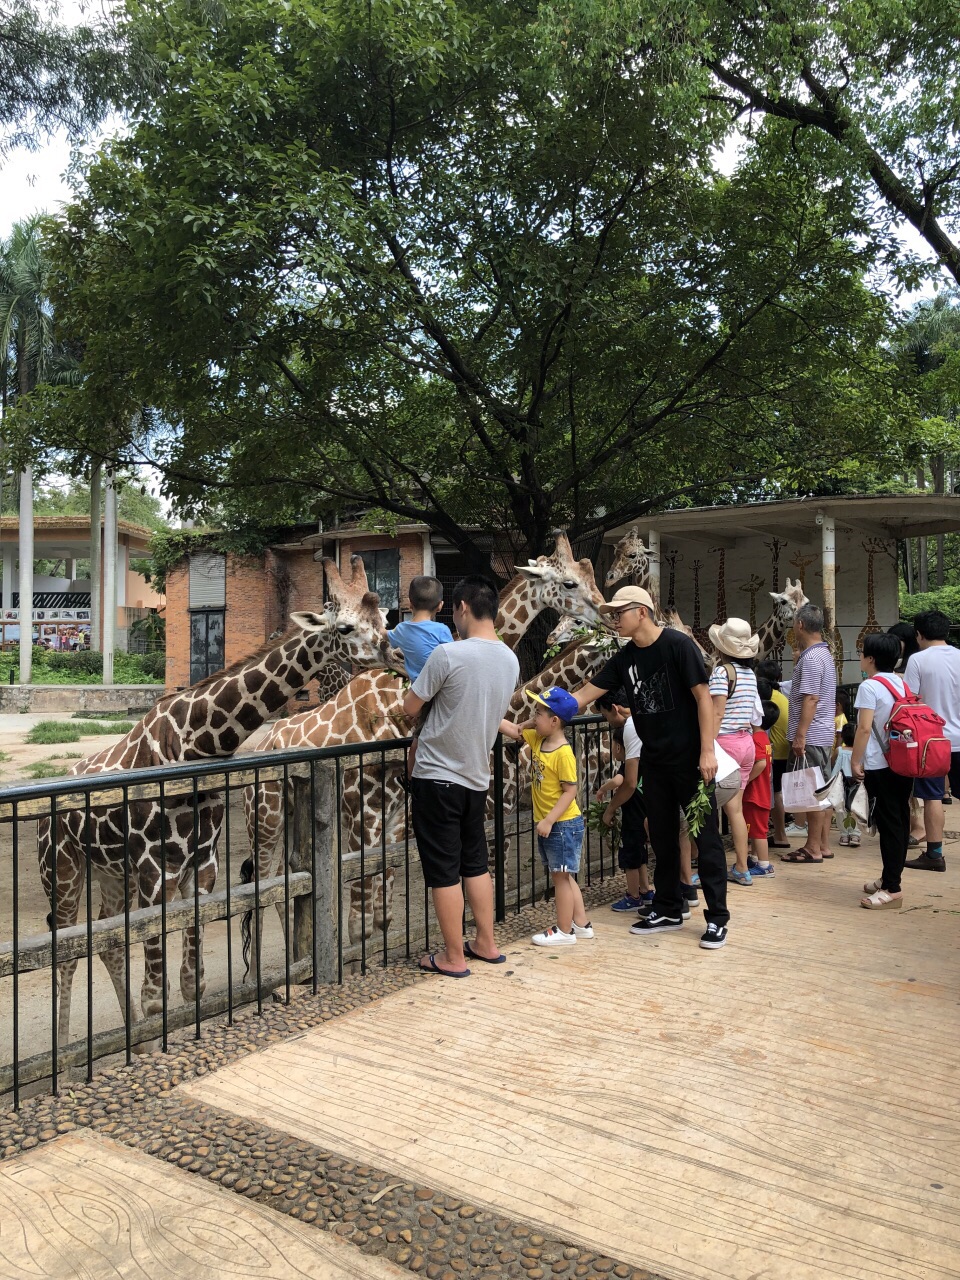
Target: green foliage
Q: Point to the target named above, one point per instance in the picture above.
(52, 767)
(47, 732)
(154, 663)
(946, 599)
(170, 546)
(473, 264)
(85, 667)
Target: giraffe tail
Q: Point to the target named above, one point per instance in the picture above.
(246, 920)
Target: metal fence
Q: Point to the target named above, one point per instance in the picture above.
(278, 869)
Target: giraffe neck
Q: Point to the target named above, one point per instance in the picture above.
(518, 608)
(215, 717)
(870, 604)
(696, 599)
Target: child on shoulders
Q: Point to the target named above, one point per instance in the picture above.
(420, 635)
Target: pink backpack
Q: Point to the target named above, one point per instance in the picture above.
(917, 747)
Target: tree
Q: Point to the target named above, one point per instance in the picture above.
(53, 76)
(459, 263)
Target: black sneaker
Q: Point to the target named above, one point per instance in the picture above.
(690, 893)
(714, 938)
(648, 908)
(654, 922)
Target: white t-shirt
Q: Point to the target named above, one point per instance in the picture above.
(631, 741)
(934, 674)
(874, 696)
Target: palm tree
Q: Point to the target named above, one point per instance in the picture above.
(28, 356)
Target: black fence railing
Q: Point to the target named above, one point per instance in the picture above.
(276, 868)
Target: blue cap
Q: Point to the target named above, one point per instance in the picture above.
(558, 701)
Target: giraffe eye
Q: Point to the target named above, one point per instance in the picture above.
(569, 584)
(346, 628)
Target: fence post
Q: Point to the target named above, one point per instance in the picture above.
(316, 916)
(499, 861)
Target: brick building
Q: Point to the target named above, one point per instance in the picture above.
(222, 607)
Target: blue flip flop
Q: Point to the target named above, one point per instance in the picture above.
(433, 967)
(475, 955)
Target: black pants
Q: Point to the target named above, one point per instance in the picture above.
(890, 800)
(667, 790)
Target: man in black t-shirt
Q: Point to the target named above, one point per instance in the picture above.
(666, 683)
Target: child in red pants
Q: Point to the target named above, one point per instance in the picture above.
(758, 793)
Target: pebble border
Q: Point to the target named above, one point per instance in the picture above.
(419, 1228)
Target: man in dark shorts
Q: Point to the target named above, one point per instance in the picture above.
(469, 686)
(663, 674)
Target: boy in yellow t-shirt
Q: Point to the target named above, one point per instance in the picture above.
(555, 811)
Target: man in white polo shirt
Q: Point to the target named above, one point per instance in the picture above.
(934, 674)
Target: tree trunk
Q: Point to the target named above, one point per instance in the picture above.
(938, 487)
(923, 575)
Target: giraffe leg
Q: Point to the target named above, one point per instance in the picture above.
(264, 810)
(111, 905)
(62, 873)
(152, 992)
(192, 981)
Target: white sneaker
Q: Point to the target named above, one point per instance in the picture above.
(554, 937)
(582, 930)
(794, 830)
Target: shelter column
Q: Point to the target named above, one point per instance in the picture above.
(109, 578)
(829, 576)
(96, 594)
(9, 560)
(26, 575)
(653, 547)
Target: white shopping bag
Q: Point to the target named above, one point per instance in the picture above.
(860, 804)
(833, 796)
(800, 787)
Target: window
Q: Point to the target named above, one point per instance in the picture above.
(208, 581)
(383, 575)
(206, 643)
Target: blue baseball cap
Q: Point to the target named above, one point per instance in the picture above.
(557, 701)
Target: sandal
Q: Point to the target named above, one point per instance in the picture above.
(799, 855)
(775, 844)
(873, 886)
(881, 900)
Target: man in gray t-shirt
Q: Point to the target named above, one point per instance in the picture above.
(468, 686)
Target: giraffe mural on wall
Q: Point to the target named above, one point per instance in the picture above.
(164, 847)
(801, 563)
(671, 558)
(721, 587)
(752, 588)
(775, 546)
(701, 636)
(873, 547)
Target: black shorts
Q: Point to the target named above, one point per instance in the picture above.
(448, 825)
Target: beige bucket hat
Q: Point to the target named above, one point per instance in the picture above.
(735, 639)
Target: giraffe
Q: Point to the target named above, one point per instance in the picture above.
(671, 558)
(785, 605)
(556, 582)
(752, 587)
(631, 559)
(166, 846)
(721, 587)
(873, 548)
(369, 708)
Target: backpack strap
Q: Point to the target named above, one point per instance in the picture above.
(731, 673)
(891, 689)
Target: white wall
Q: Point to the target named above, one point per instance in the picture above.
(750, 555)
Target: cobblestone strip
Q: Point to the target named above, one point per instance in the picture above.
(421, 1228)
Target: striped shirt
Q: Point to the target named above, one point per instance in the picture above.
(738, 713)
(814, 674)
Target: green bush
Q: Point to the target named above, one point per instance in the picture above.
(155, 664)
(946, 599)
(85, 662)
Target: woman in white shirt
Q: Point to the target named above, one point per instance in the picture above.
(889, 792)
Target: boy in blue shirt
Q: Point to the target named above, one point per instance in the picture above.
(422, 633)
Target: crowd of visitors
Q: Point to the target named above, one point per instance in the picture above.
(672, 723)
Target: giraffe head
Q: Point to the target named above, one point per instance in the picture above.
(787, 602)
(353, 615)
(631, 559)
(560, 582)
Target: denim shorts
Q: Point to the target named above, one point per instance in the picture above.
(560, 851)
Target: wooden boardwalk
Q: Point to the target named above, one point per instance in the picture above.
(788, 1108)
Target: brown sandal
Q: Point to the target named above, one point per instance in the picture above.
(799, 855)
